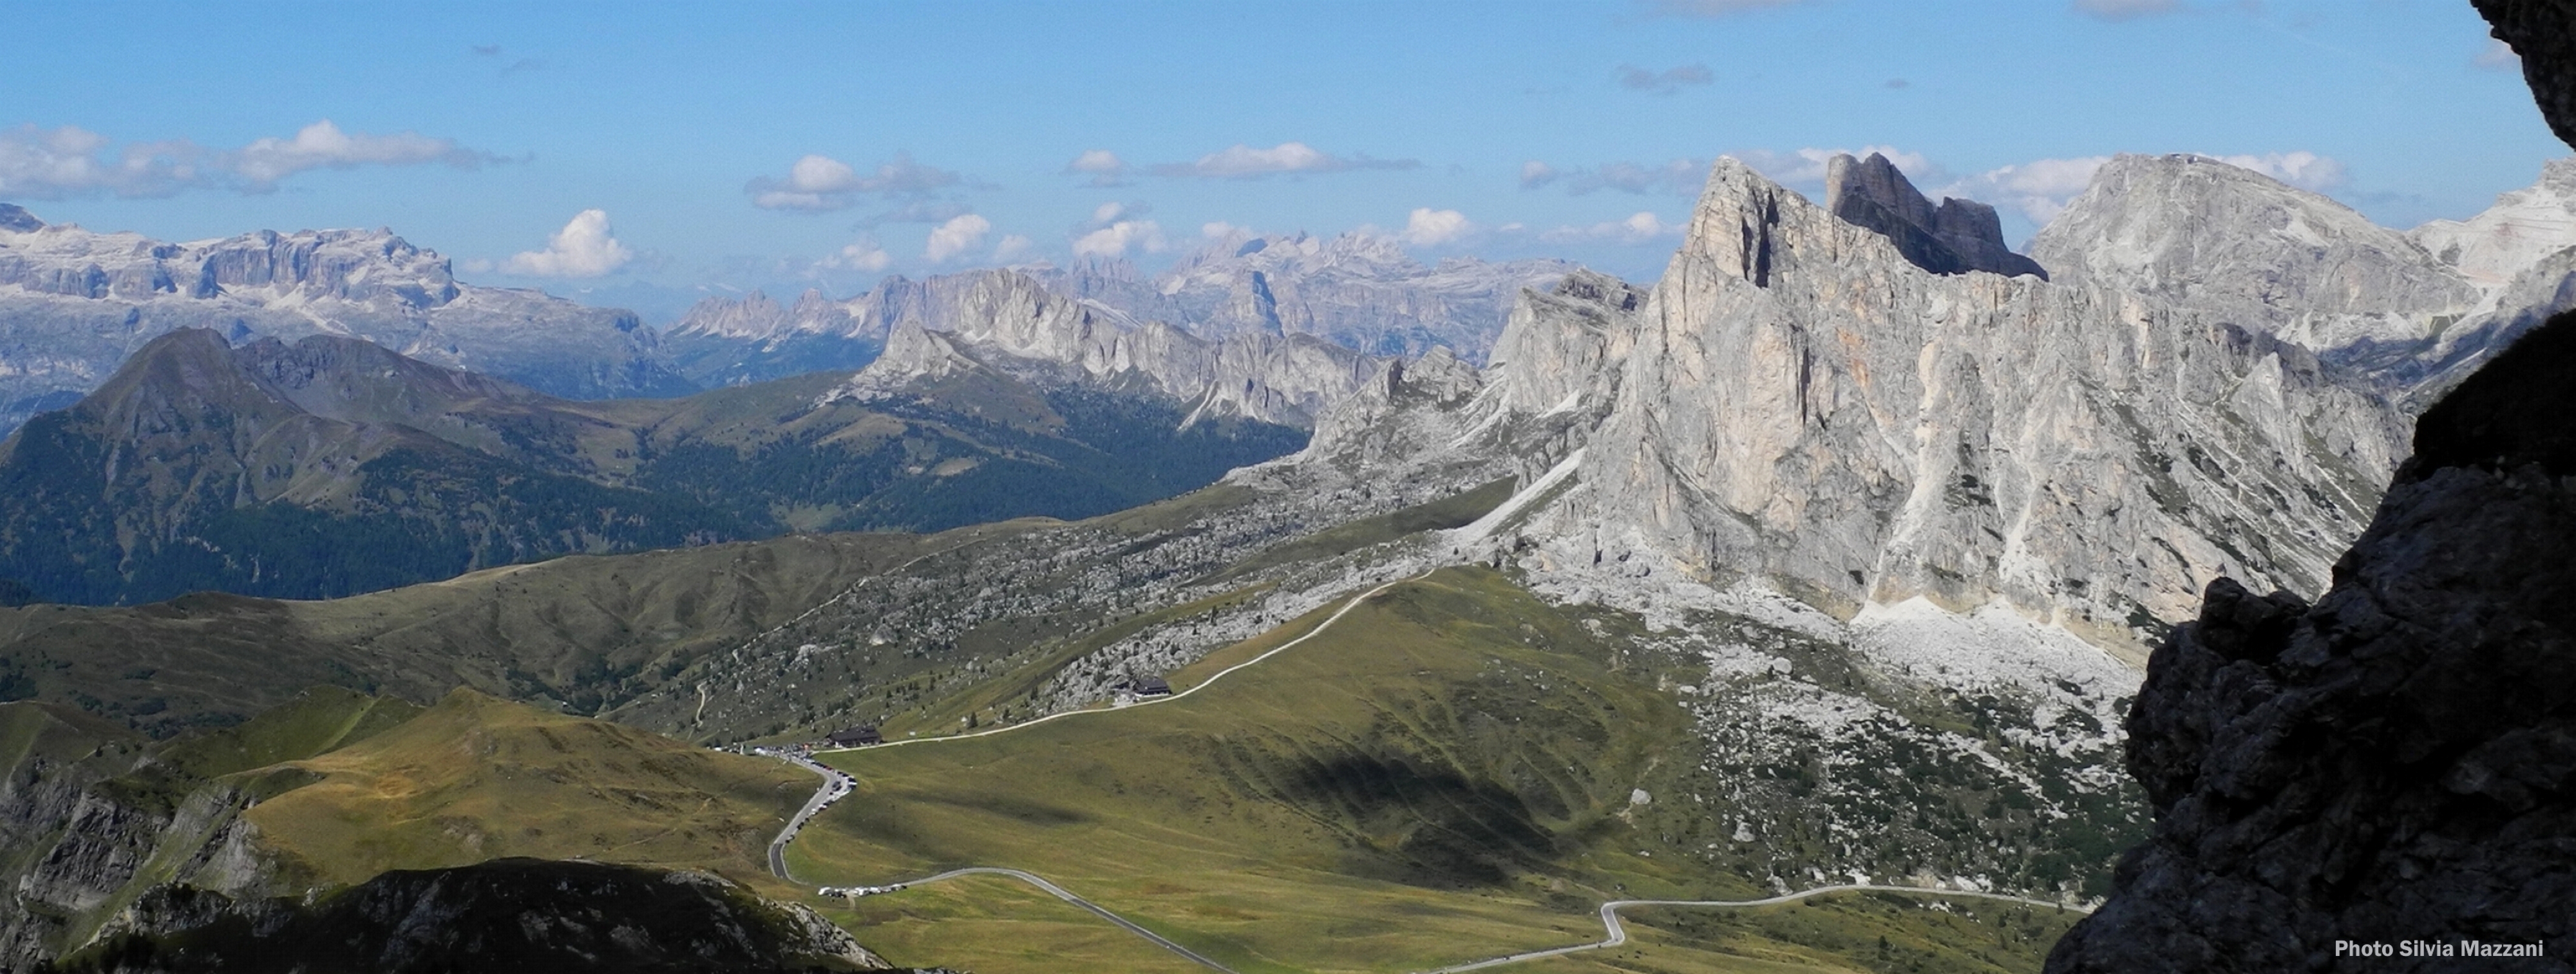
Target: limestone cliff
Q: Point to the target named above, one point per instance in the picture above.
(1804, 403)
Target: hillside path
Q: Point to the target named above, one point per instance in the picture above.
(1618, 931)
(1060, 893)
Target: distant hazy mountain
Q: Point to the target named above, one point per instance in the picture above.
(74, 303)
(1010, 321)
(334, 466)
(307, 470)
(1358, 292)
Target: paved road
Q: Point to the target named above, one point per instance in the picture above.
(1619, 931)
(835, 785)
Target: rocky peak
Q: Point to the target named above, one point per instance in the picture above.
(1955, 237)
(2246, 248)
(1010, 320)
(2523, 227)
(753, 315)
(1799, 402)
(1564, 346)
(16, 219)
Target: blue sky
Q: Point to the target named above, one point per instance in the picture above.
(942, 136)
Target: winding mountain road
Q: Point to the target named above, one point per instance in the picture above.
(837, 784)
(1618, 931)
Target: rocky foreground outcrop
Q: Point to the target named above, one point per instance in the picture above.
(2397, 762)
(502, 915)
(2385, 780)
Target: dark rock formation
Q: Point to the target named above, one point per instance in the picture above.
(2543, 33)
(503, 915)
(2394, 768)
(2398, 762)
(1954, 238)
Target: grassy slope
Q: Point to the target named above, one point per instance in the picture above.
(584, 630)
(1444, 775)
(475, 778)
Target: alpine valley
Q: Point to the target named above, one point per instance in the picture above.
(1298, 608)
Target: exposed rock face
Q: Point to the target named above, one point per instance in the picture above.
(2244, 248)
(74, 303)
(2522, 227)
(1011, 321)
(1954, 238)
(2397, 762)
(1803, 403)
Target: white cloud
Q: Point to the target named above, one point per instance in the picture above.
(2497, 56)
(1246, 162)
(956, 237)
(1713, 8)
(1103, 166)
(1663, 82)
(583, 248)
(70, 161)
(1679, 177)
(2116, 10)
(863, 255)
(2305, 170)
(1012, 246)
(1219, 229)
(323, 145)
(1107, 213)
(1427, 227)
(1807, 166)
(1641, 227)
(1117, 238)
(819, 183)
(2040, 188)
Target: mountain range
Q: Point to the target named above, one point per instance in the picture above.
(1354, 291)
(1834, 552)
(335, 466)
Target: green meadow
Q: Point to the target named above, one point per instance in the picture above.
(1449, 773)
